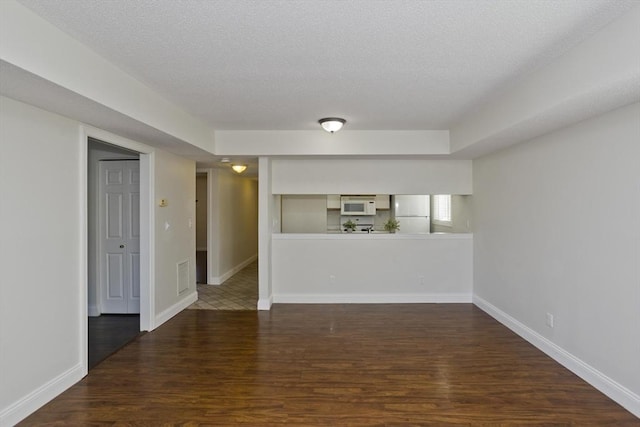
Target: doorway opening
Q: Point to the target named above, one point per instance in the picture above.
(202, 200)
(114, 224)
(226, 240)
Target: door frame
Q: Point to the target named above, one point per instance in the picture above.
(147, 237)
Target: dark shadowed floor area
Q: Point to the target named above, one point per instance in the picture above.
(108, 333)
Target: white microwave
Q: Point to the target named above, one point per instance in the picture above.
(357, 205)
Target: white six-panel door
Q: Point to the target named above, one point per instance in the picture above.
(119, 243)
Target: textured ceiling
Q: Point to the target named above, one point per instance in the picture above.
(397, 64)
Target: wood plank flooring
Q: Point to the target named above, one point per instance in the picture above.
(332, 365)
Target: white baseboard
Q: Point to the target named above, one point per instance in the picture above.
(176, 308)
(265, 303)
(218, 280)
(93, 311)
(617, 392)
(24, 407)
(370, 298)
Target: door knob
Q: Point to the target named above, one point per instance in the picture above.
(121, 246)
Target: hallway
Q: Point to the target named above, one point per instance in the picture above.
(239, 292)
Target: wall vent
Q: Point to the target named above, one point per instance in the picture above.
(183, 276)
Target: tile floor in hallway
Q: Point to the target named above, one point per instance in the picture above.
(240, 292)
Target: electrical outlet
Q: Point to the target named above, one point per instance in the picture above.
(332, 279)
(550, 320)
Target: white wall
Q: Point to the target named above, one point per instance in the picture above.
(358, 176)
(234, 234)
(269, 214)
(381, 268)
(319, 143)
(598, 75)
(175, 181)
(40, 255)
(44, 233)
(557, 230)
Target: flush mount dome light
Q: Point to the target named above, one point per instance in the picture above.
(332, 124)
(239, 168)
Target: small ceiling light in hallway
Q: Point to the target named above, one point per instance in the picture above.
(239, 168)
(332, 124)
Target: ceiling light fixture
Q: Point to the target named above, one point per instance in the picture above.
(239, 168)
(224, 160)
(332, 124)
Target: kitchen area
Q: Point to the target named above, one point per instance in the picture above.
(316, 256)
(374, 214)
(373, 249)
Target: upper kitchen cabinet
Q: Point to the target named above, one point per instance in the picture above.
(333, 201)
(382, 201)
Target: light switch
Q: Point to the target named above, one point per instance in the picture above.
(167, 226)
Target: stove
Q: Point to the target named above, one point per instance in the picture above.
(364, 223)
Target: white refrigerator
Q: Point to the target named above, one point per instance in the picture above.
(413, 213)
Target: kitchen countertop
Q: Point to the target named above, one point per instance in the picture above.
(372, 236)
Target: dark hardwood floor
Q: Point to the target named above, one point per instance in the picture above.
(110, 332)
(337, 365)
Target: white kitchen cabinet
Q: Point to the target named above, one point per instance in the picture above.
(333, 201)
(382, 201)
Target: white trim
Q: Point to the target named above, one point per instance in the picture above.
(147, 242)
(266, 223)
(83, 268)
(218, 280)
(290, 298)
(617, 392)
(176, 308)
(93, 311)
(213, 224)
(265, 303)
(33, 401)
(147, 236)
